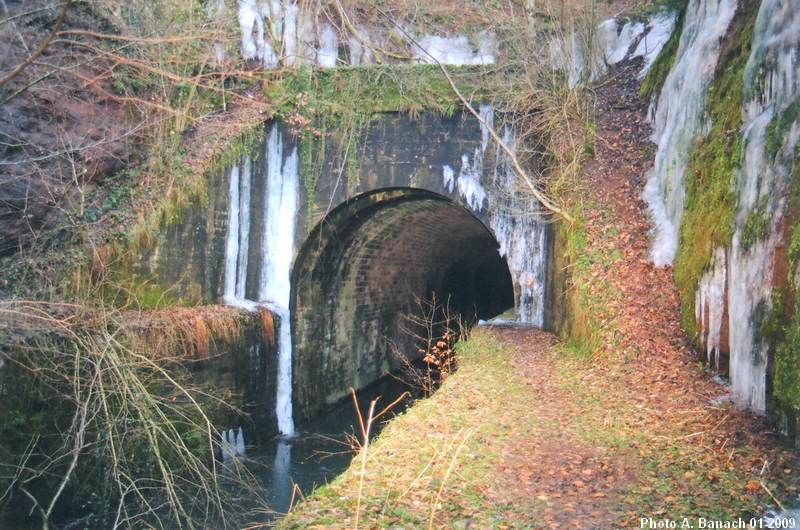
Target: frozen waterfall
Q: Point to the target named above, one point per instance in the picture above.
(679, 118)
(275, 32)
(771, 80)
(741, 277)
(273, 290)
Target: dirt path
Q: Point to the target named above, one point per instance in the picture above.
(649, 391)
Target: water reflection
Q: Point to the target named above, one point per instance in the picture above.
(281, 485)
(289, 467)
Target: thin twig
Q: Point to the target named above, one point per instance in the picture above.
(541, 197)
(450, 467)
(40, 50)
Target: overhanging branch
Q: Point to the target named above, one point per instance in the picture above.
(40, 50)
(545, 201)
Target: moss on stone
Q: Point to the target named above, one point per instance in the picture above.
(781, 329)
(779, 127)
(786, 376)
(657, 74)
(678, 6)
(578, 303)
(367, 90)
(117, 284)
(756, 226)
(341, 102)
(707, 221)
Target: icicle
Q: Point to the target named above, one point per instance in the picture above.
(487, 48)
(469, 183)
(223, 443)
(244, 229)
(277, 245)
(232, 238)
(514, 219)
(230, 446)
(290, 33)
(240, 443)
(710, 306)
(487, 116)
(328, 47)
(456, 50)
(278, 249)
(250, 21)
(281, 483)
(448, 178)
(215, 9)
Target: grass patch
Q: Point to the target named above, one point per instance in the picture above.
(587, 296)
(506, 416)
(477, 407)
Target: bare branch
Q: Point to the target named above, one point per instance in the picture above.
(541, 197)
(41, 49)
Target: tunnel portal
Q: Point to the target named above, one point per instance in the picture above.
(364, 266)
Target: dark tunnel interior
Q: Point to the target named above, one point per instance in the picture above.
(366, 265)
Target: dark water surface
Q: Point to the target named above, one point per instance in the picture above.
(321, 449)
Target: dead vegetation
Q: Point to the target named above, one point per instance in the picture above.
(92, 123)
(109, 428)
(197, 333)
(427, 354)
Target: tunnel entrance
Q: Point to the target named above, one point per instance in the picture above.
(364, 266)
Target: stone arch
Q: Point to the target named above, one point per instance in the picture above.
(361, 268)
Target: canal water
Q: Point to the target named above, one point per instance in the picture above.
(321, 449)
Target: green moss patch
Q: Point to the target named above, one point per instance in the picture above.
(786, 375)
(657, 74)
(779, 126)
(781, 328)
(709, 205)
(590, 316)
(756, 226)
(342, 101)
(342, 91)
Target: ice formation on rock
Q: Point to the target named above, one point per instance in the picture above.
(680, 118)
(710, 306)
(277, 32)
(456, 50)
(771, 82)
(277, 249)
